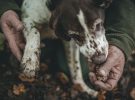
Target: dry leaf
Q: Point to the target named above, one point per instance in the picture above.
(43, 67)
(101, 95)
(63, 78)
(77, 87)
(132, 93)
(19, 89)
(24, 78)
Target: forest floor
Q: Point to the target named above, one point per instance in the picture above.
(55, 86)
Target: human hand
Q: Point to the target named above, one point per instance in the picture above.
(12, 28)
(112, 69)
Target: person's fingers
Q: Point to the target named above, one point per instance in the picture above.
(106, 67)
(19, 40)
(22, 46)
(109, 84)
(12, 20)
(113, 78)
(12, 42)
(116, 72)
(16, 24)
(112, 68)
(105, 86)
(92, 77)
(111, 61)
(15, 49)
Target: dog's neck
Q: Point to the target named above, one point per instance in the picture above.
(52, 4)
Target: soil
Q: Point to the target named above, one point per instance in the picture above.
(55, 86)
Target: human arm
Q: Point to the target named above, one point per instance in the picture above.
(111, 70)
(121, 35)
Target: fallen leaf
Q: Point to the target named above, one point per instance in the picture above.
(132, 93)
(77, 87)
(101, 95)
(63, 78)
(24, 78)
(19, 89)
(43, 67)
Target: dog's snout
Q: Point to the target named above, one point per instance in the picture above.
(99, 59)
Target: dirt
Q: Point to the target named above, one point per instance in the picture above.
(54, 86)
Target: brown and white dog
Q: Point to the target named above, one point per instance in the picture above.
(78, 22)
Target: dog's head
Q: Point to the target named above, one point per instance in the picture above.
(82, 21)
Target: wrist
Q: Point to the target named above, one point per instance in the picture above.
(118, 50)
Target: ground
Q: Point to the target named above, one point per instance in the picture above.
(49, 85)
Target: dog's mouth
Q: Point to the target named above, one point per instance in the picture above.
(78, 39)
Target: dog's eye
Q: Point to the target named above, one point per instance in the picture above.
(102, 3)
(99, 3)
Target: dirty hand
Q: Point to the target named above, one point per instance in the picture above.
(12, 28)
(112, 69)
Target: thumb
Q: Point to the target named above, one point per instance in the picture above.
(112, 60)
(92, 77)
(12, 42)
(16, 23)
(105, 69)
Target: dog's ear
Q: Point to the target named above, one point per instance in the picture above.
(56, 24)
(103, 3)
(54, 18)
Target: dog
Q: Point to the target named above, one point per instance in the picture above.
(79, 23)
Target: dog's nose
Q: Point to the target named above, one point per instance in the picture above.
(99, 59)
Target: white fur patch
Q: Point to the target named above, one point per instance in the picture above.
(36, 10)
(81, 19)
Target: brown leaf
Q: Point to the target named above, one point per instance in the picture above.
(101, 95)
(132, 93)
(19, 89)
(24, 78)
(77, 87)
(63, 78)
(43, 67)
